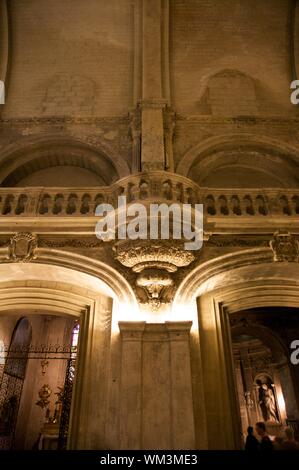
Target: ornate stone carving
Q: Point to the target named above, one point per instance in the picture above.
(39, 120)
(22, 246)
(230, 241)
(148, 255)
(154, 282)
(153, 262)
(70, 242)
(153, 103)
(285, 247)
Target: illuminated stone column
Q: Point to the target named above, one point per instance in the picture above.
(156, 406)
(183, 433)
(223, 424)
(131, 384)
(87, 424)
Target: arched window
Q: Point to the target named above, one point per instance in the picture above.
(16, 361)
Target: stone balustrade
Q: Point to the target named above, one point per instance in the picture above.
(154, 186)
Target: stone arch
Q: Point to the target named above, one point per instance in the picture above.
(211, 292)
(206, 277)
(32, 155)
(92, 270)
(248, 274)
(70, 273)
(59, 283)
(225, 152)
(269, 338)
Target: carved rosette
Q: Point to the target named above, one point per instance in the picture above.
(285, 247)
(153, 262)
(22, 246)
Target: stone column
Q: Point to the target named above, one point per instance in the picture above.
(87, 422)
(131, 385)
(153, 102)
(135, 127)
(156, 387)
(169, 127)
(285, 390)
(223, 423)
(183, 433)
(152, 141)
(152, 81)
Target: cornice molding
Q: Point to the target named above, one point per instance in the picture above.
(39, 120)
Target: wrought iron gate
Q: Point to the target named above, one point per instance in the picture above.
(66, 403)
(10, 396)
(12, 374)
(12, 378)
(68, 389)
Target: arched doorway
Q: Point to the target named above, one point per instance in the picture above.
(212, 293)
(265, 378)
(36, 383)
(45, 292)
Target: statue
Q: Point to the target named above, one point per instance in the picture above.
(44, 394)
(267, 402)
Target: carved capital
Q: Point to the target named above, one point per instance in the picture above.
(153, 262)
(140, 256)
(153, 103)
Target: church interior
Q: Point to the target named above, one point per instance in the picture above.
(138, 343)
